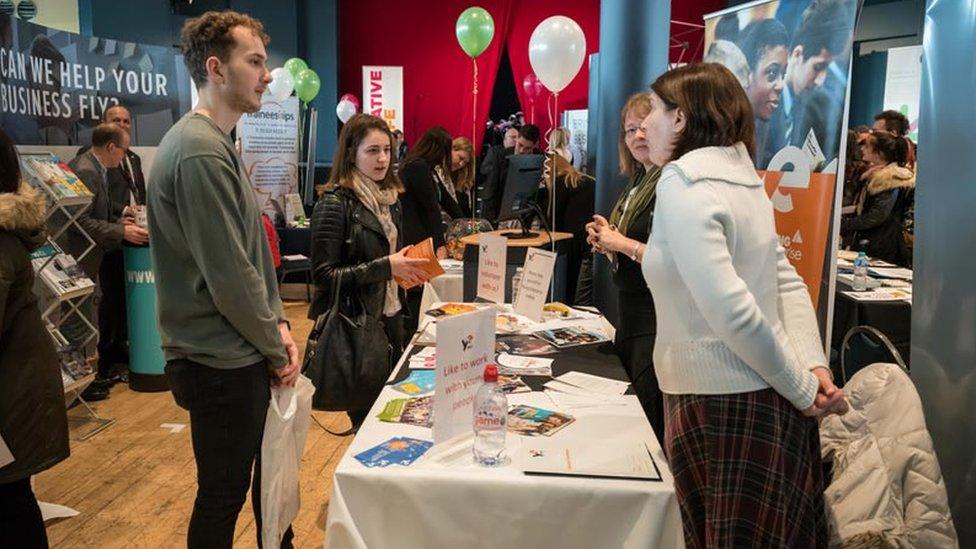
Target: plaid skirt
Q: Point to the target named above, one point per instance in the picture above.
(746, 471)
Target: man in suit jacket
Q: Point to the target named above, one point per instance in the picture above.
(493, 190)
(109, 143)
(126, 189)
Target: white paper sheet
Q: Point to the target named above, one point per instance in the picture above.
(525, 365)
(596, 384)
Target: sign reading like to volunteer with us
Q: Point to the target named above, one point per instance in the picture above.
(491, 267)
(383, 94)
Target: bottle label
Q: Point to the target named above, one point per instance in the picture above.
(487, 422)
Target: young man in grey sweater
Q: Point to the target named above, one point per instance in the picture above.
(223, 330)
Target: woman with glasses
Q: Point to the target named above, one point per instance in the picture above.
(620, 238)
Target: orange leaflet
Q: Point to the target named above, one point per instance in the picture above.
(431, 269)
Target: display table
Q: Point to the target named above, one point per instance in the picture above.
(433, 504)
(515, 258)
(892, 318)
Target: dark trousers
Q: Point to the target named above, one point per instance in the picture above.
(21, 524)
(634, 342)
(227, 414)
(113, 331)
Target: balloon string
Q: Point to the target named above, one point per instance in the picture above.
(474, 117)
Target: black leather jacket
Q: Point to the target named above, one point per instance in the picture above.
(348, 239)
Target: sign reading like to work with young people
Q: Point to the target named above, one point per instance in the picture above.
(465, 345)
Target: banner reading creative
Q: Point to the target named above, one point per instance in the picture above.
(792, 57)
(55, 85)
(383, 94)
(269, 149)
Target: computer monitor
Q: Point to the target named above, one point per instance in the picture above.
(521, 189)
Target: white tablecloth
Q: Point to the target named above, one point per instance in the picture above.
(432, 505)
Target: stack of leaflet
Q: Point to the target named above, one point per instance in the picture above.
(577, 390)
(524, 365)
(426, 359)
(60, 273)
(46, 172)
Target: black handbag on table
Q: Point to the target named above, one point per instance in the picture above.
(348, 356)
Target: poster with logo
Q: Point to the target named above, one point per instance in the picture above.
(903, 84)
(269, 149)
(55, 85)
(383, 94)
(792, 57)
(465, 345)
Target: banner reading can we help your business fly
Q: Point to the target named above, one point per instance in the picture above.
(792, 57)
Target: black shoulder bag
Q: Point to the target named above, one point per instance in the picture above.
(347, 357)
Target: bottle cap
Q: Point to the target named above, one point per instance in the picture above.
(491, 374)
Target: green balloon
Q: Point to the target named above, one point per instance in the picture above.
(474, 28)
(295, 66)
(307, 85)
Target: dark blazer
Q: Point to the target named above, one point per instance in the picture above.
(348, 240)
(122, 184)
(420, 203)
(32, 414)
(628, 276)
(97, 220)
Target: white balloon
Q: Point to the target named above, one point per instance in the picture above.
(556, 51)
(345, 109)
(282, 84)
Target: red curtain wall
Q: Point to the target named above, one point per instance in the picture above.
(437, 75)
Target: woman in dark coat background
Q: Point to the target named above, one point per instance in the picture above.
(575, 196)
(356, 234)
(424, 196)
(881, 203)
(33, 422)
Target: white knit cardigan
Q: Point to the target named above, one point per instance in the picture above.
(733, 316)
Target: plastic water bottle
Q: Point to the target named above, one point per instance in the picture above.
(490, 421)
(516, 282)
(861, 272)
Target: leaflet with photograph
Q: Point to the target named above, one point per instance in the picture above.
(59, 272)
(45, 171)
(396, 451)
(570, 336)
(412, 411)
(523, 344)
(512, 384)
(531, 421)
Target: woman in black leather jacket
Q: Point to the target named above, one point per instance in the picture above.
(356, 235)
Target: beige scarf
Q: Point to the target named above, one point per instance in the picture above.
(378, 201)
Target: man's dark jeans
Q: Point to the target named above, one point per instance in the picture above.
(227, 413)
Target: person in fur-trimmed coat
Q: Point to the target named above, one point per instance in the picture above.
(33, 422)
(881, 204)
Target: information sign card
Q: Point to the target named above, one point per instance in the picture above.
(465, 345)
(536, 274)
(491, 267)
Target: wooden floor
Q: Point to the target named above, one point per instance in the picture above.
(134, 483)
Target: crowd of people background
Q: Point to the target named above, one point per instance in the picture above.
(691, 182)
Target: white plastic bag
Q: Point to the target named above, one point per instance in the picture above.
(285, 430)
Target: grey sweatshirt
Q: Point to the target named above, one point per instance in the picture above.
(216, 290)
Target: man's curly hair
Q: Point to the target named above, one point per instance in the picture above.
(210, 35)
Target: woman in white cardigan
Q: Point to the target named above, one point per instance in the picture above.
(738, 352)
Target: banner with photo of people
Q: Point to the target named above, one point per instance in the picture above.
(55, 85)
(792, 57)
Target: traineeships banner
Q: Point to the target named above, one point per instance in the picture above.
(383, 94)
(792, 57)
(269, 149)
(55, 85)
